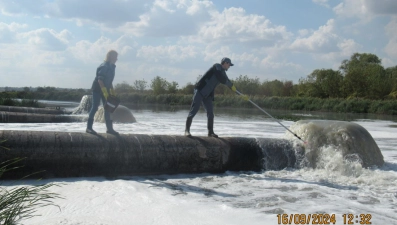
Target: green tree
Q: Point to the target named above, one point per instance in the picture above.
(379, 84)
(140, 85)
(188, 89)
(40, 89)
(391, 72)
(358, 60)
(159, 85)
(172, 87)
(123, 88)
(246, 85)
(303, 88)
(272, 88)
(288, 89)
(364, 77)
(323, 83)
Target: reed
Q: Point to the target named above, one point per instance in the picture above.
(22, 201)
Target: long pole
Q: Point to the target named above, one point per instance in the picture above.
(272, 117)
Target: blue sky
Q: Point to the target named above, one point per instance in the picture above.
(61, 42)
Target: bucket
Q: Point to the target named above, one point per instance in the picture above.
(112, 103)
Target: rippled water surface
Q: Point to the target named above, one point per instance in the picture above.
(337, 188)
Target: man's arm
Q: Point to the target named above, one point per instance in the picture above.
(221, 76)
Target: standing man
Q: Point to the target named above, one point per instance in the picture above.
(101, 88)
(204, 93)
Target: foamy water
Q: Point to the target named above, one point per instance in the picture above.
(334, 187)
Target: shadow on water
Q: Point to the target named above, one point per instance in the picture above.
(388, 166)
(179, 187)
(296, 181)
(182, 188)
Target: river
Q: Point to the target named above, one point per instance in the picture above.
(336, 190)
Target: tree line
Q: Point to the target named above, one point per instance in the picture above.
(361, 76)
(360, 85)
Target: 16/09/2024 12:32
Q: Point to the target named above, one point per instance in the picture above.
(323, 218)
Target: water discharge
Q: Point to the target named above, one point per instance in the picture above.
(350, 140)
(121, 115)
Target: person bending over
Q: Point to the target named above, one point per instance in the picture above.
(204, 93)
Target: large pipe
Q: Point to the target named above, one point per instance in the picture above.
(17, 117)
(14, 114)
(55, 111)
(63, 154)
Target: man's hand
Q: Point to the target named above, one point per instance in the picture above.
(105, 92)
(234, 88)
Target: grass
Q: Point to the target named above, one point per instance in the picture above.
(22, 202)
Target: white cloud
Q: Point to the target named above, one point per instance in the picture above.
(271, 62)
(94, 52)
(368, 13)
(346, 48)
(216, 53)
(391, 32)
(326, 45)
(304, 32)
(173, 53)
(90, 11)
(8, 32)
(110, 13)
(47, 58)
(21, 7)
(366, 9)
(384, 7)
(170, 19)
(235, 25)
(213, 53)
(352, 8)
(47, 39)
(43, 38)
(322, 40)
(13, 26)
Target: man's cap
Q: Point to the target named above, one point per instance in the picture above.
(227, 60)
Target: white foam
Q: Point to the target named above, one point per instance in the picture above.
(336, 186)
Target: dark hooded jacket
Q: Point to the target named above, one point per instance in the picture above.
(212, 78)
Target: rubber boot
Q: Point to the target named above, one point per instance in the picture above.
(109, 126)
(89, 127)
(188, 124)
(211, 128)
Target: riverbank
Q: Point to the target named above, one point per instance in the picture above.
(356, 105)
(306, 104)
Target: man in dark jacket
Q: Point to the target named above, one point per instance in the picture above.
(102, 86)
(204, 92)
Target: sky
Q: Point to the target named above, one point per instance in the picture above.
(60, 43)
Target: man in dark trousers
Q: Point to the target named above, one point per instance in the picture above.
(102, 87)
(204, 92)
